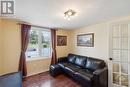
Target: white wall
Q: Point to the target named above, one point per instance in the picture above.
(101, 37)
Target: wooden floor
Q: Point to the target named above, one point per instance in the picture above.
(45, 80)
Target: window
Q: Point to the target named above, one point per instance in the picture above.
(39, 43)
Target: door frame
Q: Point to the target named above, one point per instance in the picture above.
(110, 80)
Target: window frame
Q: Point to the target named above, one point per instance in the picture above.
(40, 57)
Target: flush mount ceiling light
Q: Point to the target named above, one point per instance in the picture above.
(70, 13)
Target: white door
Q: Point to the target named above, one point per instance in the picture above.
(120, 54)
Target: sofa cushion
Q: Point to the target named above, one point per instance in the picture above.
(72, 69)
(80, 61)
(84, 74)
(93, 64)
(63, 65)
(71, 58)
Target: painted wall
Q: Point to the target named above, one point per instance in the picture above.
(11, 46)
(37, 66)
(64, 50)
(0, 47)
(101, 37)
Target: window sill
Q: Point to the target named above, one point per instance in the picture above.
(37, 58)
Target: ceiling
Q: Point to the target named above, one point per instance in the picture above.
(50, 13)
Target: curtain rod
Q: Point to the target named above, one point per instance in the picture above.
(35, 25)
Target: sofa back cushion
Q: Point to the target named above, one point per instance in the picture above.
(80, 61)
(93, 64)
(71, 58)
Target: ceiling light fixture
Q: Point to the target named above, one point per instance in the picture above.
(68, 14)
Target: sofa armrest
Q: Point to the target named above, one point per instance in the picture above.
(100, 71)
(101, 77)
(62, 59)
(11, 80)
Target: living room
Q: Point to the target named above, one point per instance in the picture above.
(37, 47)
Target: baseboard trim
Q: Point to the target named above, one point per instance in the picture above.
(45, 71)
